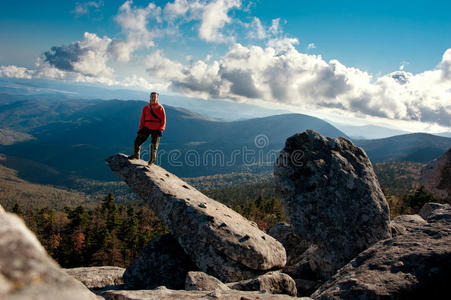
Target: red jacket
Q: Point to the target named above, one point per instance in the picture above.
(149, 121)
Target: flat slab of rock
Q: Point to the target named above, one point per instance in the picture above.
(436, 176)
(220, 241)
(161, 263)
(164, 294)
(332, 197)
(26, 270)
(97, 277)
(414, 265)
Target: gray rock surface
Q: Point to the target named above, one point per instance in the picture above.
(220, 241)
(165, 294)
(162, 262)
(436, 176)
(430, 207)
(97, 277)
(26, 270)
(406, 223)
(414, 265)
(332, 197)
(271, 282)
(294, 245)
(200, 281)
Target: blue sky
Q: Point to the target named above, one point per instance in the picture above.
(378, 61)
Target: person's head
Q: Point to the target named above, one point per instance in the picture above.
(154, 97)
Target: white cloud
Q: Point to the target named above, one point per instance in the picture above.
(134, 22)
(275, 28)
(282, 74)
(445, 65)
(311, 46)
(403, 65)
(12, 71)
(87, 57)
(257, 30)
(214, 18)
(176, 8)
(84, 8)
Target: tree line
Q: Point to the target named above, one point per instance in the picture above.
(114, 234)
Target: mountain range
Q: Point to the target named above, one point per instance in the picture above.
(59, 139)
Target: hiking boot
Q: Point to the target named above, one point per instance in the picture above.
(135, 154)
(153, 154)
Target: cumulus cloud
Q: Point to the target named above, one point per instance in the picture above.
(134, 22)
(12, 71)
(88, 56)
(311, 46)
(280, 73)
(214, 18)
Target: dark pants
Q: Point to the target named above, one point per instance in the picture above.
(143, 135)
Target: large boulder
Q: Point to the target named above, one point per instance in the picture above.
(220, 241)
(332, 198)
(162, 262)
(97, 277)
(436, 176)
(26, 270)
(413, 265)
(271, 282)
(200, 281)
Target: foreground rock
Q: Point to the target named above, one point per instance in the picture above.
(97, 277)
(436, 176)
(332, 198)
(164, 294)
(162, 262)
(272, 282)
(220, 241)
(414, 265)
(200, 281)
(26, 271)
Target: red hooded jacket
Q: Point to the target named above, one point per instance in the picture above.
(149, 121)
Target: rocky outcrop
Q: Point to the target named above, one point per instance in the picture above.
(272, 282)
(26, 271)
(220, 241)
(427, 209)
(406, 223)
(165, 294)
(294, 245)
(414, 265)
(332, 198)
(200, 281)
(97, 277)
(436, 176)
(161, 262)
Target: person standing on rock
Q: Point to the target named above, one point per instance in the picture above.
(153, 122)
